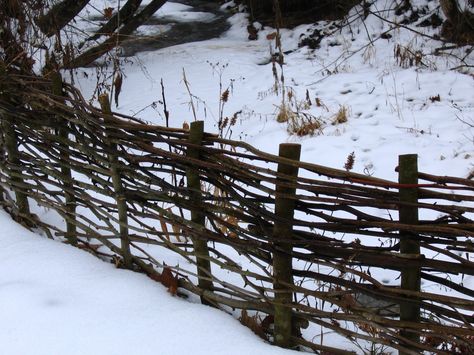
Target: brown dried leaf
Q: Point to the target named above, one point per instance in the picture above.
(233, 221)
(369, 329)
(271, 36)
(90, 247)
(170, 281)
(167, 279)
(252, 322)
(108, 12)
(117, 87)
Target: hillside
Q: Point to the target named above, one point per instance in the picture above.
(398, 90)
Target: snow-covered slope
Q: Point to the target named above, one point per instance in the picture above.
(58, 300)
(395, 103)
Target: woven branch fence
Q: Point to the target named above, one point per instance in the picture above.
(299, 251)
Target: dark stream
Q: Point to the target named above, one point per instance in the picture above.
(181, 31)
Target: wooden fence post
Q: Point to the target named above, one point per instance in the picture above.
(11, 146)
(201, 250)
(13, 160)
(68, 183)
(117, 183)
(282, 258)
(411, 277)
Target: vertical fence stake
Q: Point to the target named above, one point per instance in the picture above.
(282, 258)
(196, 133)
(11, 147)
(411, 277)
(14, 163)
(70, 201)
(117, 183)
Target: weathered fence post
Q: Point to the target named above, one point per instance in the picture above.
(11, 146)
(411, 277)
(282, 258)
(201, 250)
(117, 184)
(70, 201)
(13, 160)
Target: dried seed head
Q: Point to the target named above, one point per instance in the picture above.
(225, 122)
(349, 165)
(233, 121)
(225, 96)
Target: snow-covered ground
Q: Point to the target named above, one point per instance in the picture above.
(60, 300)
(392, 107)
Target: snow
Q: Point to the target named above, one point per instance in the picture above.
(59, 300)
(390, 107)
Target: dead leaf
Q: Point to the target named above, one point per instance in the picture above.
(117, 87)
(252, 322)
(108, 12)
(234, 221)
(167, 279)
(271, 36)
(88, 246)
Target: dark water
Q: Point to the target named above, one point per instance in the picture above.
(181, 32)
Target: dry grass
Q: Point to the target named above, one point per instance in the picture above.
(285, 114)
(304, 124)
(407, 57)
(341, 115)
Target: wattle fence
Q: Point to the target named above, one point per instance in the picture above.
(304, 255)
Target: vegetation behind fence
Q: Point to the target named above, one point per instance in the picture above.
(295, 249)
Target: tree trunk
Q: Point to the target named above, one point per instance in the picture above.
(96, 52)
(60, 15)
(459, 25)
(124, 15)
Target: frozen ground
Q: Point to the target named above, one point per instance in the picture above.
(59, 300)
(392, 107)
